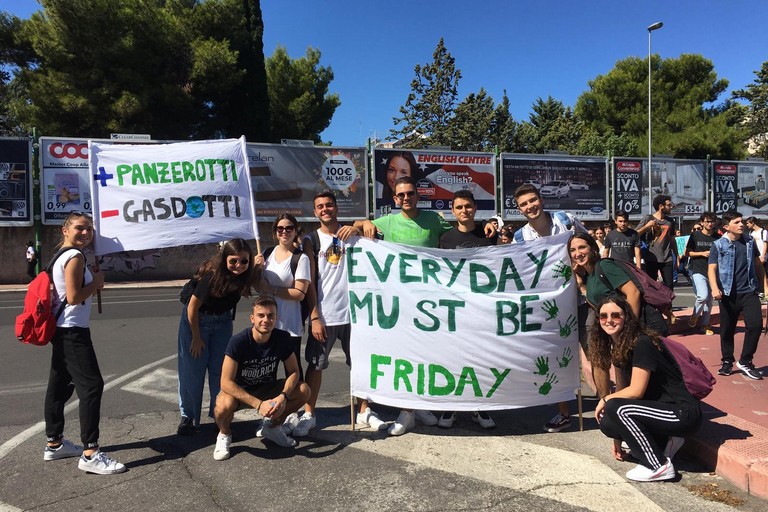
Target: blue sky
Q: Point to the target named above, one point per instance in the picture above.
(530, 48)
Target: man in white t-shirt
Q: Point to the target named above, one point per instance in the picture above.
(760, 236)
(542, 224)
(329, 317)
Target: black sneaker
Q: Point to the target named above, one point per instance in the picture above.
(749, 370)
(726, 368)
(558, 423)
(186, 427)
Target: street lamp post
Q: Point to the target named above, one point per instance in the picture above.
(651, 28)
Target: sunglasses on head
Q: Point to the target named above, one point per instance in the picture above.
(614, 315)
(235, 261)
(286, 229)
(403, 195)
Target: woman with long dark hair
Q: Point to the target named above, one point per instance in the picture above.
(585, 261)
(287, 284)
(73, 361)
(206, 326)
(655, 410)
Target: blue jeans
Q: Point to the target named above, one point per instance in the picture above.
(703, 304)
(215, 330)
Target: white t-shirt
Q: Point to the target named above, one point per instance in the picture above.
(760, 236)
(557, 227)
(332, 288)
(278, 274)
(74, 315)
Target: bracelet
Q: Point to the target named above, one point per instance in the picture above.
(259, 406)
(285, 395)
(604, 400)
(316, 318)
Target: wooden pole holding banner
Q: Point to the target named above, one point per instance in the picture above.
(352, 412)
(581, 410)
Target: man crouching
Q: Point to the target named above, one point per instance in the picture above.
(249, 378)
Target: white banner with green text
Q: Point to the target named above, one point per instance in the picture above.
(465, 329)
(168, 195)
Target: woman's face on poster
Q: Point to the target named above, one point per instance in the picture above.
(397, 168)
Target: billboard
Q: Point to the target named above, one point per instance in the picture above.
(15, 181)
(438, 174)
(578, 185)
(285, 179)
(740, 186)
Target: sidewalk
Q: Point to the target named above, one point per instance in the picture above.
(733, 441)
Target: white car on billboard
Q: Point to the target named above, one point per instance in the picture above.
(556, 189)
(577, 185)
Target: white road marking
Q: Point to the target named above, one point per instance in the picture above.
(35, 429)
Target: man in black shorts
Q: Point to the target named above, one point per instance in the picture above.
(249, 378)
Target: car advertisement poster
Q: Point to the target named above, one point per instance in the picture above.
(285, 179)
(15, 181)
(578, 185)
(438, 174)
(740, 186)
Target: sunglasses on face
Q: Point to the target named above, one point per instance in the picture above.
(236, 261)
(286, 229)
(613, 315)
(403, 195)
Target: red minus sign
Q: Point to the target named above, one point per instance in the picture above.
(110, 213)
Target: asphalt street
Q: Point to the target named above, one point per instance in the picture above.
(515, 466)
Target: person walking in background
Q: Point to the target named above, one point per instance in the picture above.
(736, 274)
(623, 243)
(206, 325)
(760, 236)
(31, 256)
(73, 360)
(659, 229)
(697, 251)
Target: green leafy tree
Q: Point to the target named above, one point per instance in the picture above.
(301, 106)
(431, 102)
(755, 115)
(683, 90)
(503, 127)
(470, 127)
(551, 126)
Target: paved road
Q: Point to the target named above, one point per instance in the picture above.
(514, 467)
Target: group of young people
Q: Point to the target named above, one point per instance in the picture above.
(649, 408)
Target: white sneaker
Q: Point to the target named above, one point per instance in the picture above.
(673, 445)
(221, 452)
(290, 423)
(643, 474)
(66, 450)
(446, 419)
(483, 419)
(306, 423)
(404, 422)
(368, 418)
(426, 417)
(100, 464)
(276, 435)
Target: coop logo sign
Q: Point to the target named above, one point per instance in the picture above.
(189, 193)
(70, 150)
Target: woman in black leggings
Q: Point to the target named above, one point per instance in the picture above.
(655, 410)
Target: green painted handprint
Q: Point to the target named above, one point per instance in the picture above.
(542, 365)
(567, 328)
(545, 388)
(551, 309)
(562, 270)
(567, 357)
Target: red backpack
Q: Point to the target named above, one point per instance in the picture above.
(37, 324)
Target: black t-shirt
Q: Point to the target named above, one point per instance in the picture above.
(455, 239)
(666, 382)
(257, 362)
(214, 305)
(699, 242)
(622, 244)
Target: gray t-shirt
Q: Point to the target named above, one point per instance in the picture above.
(622, 244)
(661, 239)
